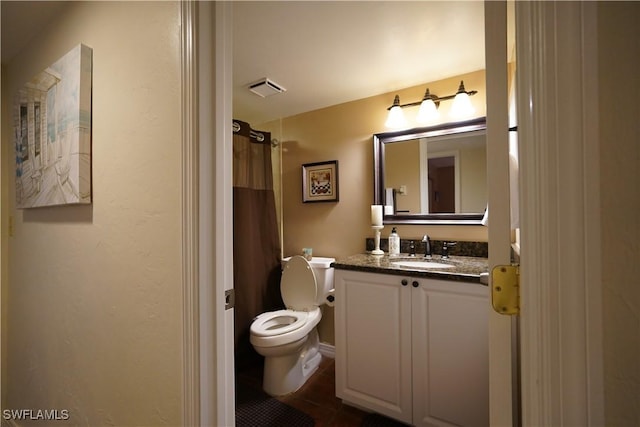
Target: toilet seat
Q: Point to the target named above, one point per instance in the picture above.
(298, 286)
(276, 337)
(278, 322)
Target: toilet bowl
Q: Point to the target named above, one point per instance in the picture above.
(288, 339)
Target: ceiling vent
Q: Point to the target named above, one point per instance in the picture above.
(266, 87)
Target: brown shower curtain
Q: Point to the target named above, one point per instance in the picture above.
(256, 244)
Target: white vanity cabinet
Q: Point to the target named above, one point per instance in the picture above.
(413, 348)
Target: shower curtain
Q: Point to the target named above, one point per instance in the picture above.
(256, 243)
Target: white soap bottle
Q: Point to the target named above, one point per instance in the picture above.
(394, 243)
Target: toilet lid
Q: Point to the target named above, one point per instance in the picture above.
(298, 286)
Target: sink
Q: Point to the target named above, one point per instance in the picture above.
(421, 264)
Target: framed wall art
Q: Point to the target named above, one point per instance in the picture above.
(320, 182)
(52, 133)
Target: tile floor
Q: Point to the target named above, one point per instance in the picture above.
(317, 397)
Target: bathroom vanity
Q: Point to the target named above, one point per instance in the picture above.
(412, 338)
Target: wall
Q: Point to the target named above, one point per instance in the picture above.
(619, 64)
(92, 314)
(344, 132)
(473, 164)
(402, 167)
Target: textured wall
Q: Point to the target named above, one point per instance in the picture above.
(619, 64)
(92, 304)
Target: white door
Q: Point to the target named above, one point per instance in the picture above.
(503, 369)
(561, 284)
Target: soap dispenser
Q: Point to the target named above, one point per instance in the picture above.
(394, 243)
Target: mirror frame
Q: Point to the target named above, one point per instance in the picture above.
(379, 142)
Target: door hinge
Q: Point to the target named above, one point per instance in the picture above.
(229, 299)
(505, 289)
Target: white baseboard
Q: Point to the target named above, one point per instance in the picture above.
(327, 350)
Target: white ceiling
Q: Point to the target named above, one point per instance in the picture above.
(327, 53)
(323, 52)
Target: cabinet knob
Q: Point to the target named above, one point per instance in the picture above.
(415, 284)
(404, 282)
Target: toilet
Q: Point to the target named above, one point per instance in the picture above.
(288, 339)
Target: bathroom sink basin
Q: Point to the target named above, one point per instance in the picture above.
(421, 264)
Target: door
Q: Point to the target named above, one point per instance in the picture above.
(503, 368)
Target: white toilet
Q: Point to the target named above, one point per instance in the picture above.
(288, 338)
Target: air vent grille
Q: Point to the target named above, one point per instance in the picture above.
(266, 87)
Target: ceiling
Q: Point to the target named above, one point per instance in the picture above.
(327, 53)
(323, 52)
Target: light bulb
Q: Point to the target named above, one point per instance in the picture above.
(462, 106)
(428, 111)
(396, 118)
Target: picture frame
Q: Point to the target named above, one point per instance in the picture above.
(320, 182)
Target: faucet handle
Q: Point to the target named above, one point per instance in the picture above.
(445, 248)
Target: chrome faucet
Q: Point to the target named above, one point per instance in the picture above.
(445, 249)
(427, 246)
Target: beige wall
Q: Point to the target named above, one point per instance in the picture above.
(402, 167)
(473, 187)
(344, 132)
(619, 67)
(91, 295)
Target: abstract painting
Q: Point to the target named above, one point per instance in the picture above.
(52, 130)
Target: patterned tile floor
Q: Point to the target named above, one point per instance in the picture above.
(317, 397)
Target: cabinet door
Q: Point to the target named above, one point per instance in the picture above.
(450, 354)
(373, 342)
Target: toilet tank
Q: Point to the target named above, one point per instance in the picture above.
(323, 273)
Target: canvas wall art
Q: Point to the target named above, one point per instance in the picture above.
(52, 124)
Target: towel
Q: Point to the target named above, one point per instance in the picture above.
(389, 200)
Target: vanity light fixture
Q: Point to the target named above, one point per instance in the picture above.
(429, 104)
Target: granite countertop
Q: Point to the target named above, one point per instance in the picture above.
(465, 268)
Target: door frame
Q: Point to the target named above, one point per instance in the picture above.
(561, 382)
(207, 214)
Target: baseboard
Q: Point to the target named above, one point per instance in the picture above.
(327, 350)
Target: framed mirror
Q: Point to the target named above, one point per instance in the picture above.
(432, 175)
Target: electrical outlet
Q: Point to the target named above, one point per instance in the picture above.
(403, 190)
